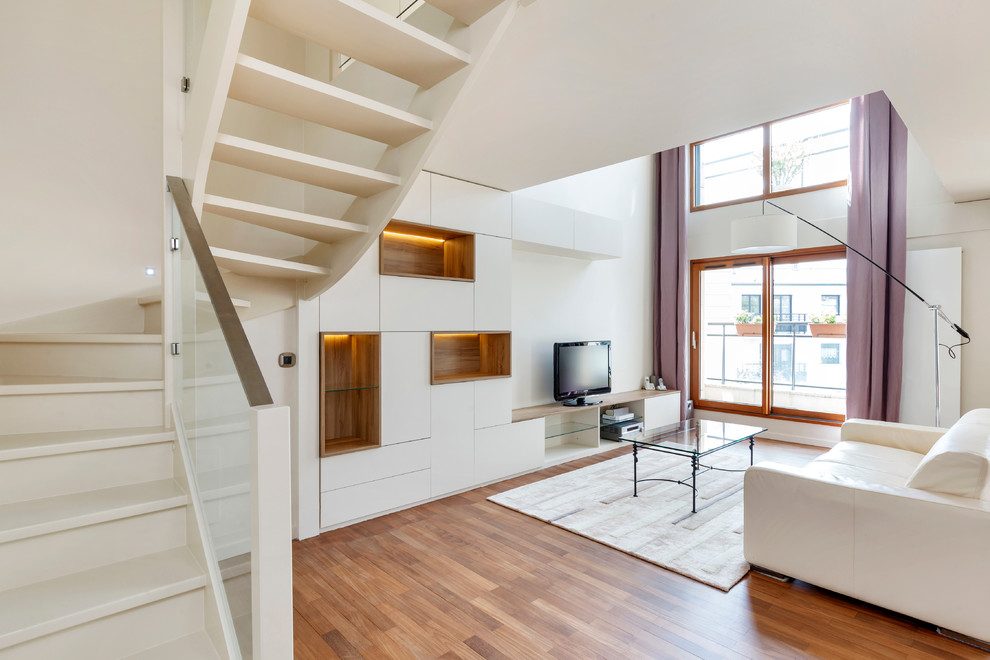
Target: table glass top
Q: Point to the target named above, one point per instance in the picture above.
(695, 436)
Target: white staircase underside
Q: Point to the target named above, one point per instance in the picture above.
(47, 607)
(254, 265)
(269, 86)
(367, 34)
(323, 172)
(466, 11)
(306, 225)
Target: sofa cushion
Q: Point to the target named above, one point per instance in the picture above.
(865, 463)
(959, 462)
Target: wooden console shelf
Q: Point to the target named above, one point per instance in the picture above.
(613, 399)
(409, 250)
(457, 357)
(350, 406)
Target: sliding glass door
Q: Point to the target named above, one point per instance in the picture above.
(768, 334)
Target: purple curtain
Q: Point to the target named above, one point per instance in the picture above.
(670, 357)
(878, 228)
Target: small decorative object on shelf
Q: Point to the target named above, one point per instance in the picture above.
(660, 386)
(647, 385)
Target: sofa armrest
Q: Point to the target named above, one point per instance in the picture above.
(910, 437)
(908, 550)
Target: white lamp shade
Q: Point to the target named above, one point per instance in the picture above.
(764, 233)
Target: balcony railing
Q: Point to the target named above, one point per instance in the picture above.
(808, 371)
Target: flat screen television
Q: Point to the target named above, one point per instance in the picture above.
(581, 369)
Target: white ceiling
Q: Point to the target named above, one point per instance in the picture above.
(579, 84)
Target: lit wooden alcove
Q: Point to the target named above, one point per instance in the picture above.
(409, 250)
(463, 356)
(350, 405)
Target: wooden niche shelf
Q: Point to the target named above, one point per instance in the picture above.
(409, 250)
(350, 408)
(456, 357)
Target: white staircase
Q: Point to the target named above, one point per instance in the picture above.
(94, 523)
(331, 108)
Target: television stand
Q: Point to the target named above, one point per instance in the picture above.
(581, 401)
(571, 432)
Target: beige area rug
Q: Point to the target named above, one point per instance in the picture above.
(658, 526)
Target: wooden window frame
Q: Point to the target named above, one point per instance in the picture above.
(766, 194)
(766, 408)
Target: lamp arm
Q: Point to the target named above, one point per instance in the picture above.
(886, 272)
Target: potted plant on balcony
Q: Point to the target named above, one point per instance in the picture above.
(749, 324)
(826, 325)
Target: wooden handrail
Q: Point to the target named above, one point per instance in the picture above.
(245, 362)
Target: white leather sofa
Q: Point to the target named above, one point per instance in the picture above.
(894, 515)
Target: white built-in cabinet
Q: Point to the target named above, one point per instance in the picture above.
(445, 438)
(431, 435)
(538, 226)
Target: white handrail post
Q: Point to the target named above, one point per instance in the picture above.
(271, 533)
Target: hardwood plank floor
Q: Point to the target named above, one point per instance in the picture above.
(464, 578)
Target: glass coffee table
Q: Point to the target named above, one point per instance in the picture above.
(694, 438)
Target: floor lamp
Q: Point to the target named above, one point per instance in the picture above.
(769, 234)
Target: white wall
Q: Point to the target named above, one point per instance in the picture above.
(934, 221)
(82, 185)
(562, 299)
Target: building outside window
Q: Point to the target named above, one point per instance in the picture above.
(830, 304)
(752, 303)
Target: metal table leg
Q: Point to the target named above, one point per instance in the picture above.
(694, 486)
(635, 460)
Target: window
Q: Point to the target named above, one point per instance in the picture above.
(830, 353)
(751, 303)
(782, 307)
(830, 304)
(797, 154)
(740, 364)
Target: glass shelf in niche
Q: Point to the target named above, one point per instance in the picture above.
(566, 428)
(351, 389)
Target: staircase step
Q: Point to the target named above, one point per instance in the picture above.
(33, 445)
(317, 228)
(263, 84)
(466, 11)
(28, 385)
(82, 355)
(48, 607)
(359, 30)
(120, 635)
(80, 338)
(55, 514)
(47, 476)
(255, 265)
(201, 297)
(323, 172)
(191, 647)
(58, 407)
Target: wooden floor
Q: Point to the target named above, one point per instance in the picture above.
(465, 578)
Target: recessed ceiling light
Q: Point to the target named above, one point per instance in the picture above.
(150, 272)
